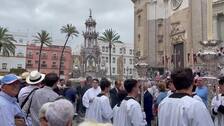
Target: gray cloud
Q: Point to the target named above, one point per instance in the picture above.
(33, 15)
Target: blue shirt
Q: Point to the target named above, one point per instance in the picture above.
(161, 96)
(70, 94)
(203, 93)
(9, 109)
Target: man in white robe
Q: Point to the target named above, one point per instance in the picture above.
(217, 105)
(121, 95)
(180, 109)
(130, 113)
(100, 110)
(90, 94)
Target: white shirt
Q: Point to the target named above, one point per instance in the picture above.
(184, 111)
(116, 117)
(219, 117)
(89, 95)
(196, 97)
(99, 110)
(24, 92)
(169, 93)
(129, 114)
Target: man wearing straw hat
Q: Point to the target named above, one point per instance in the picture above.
(34, 80)
(42, 96)
(23, 76)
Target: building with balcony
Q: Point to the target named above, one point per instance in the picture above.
(50, 59)
(17, 60)
(122, 59)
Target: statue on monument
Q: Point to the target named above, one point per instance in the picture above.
(91, 65)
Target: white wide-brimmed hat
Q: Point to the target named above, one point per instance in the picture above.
(35, 77)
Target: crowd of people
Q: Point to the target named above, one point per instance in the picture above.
(180, 99)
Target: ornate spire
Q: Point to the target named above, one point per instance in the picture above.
(90, 12)
(90, 21)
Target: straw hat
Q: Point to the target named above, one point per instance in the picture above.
(35, 77)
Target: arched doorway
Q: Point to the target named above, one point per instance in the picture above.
(178, 52)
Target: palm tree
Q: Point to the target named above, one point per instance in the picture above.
(112, 37)
(43, 38)
(7, 46)
(70, 31)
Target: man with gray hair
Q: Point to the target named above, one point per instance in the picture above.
(59, 113)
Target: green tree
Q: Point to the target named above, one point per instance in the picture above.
(70, 31)
(7, 46)
(43, 38)
(110, 36)
(17, 71)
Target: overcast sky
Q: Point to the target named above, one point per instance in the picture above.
(33, 15)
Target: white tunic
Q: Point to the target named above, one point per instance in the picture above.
(129, 114)
(219, 117)
(185, 111)
(116, 117)
(99, 110)
(169, 93)
(196, 97)
(89, 95)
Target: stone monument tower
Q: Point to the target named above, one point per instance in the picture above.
(90, 52)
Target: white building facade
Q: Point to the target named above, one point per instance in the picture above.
(19, 59)
(122, 59)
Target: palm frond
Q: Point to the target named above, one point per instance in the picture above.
(69, 30)
(43, 37)
(109, 35)
(7, 40)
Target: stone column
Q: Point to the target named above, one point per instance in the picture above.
(215, 27)
(209, 20)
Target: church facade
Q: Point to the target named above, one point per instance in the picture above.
(168, 32)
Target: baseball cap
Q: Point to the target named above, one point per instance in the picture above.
(8, 79)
